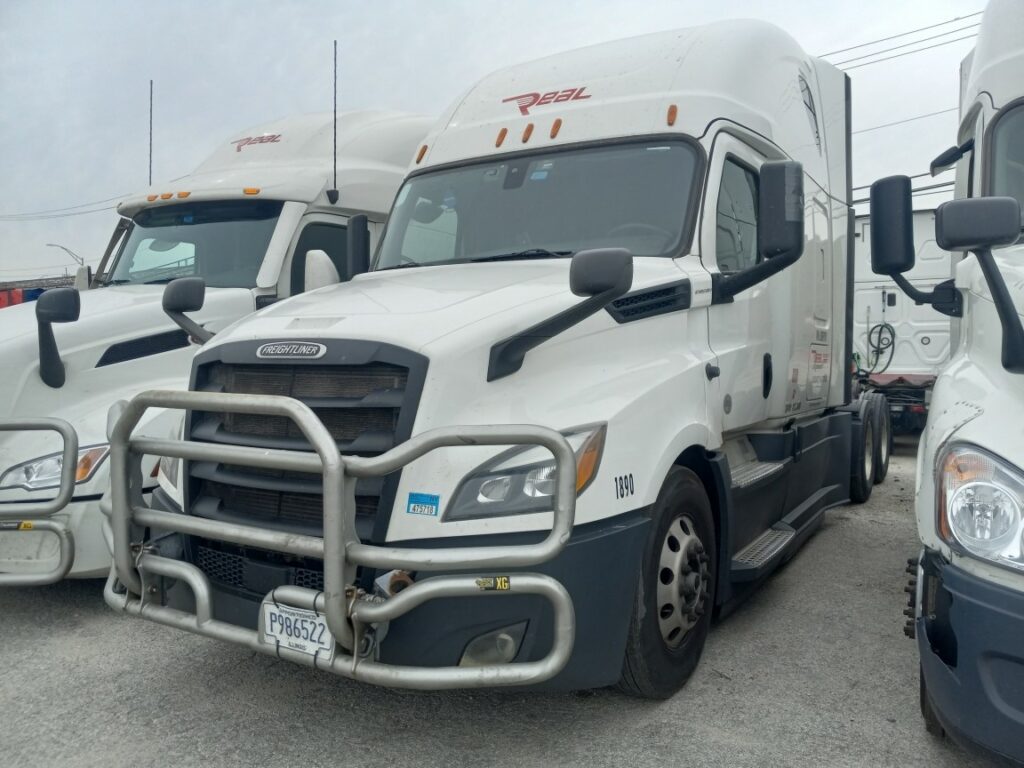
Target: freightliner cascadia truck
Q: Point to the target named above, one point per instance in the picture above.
(241, 225)
(593, 390)
(966, 591)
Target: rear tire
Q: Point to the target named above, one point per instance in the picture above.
(862, 472)
(883, 433)
(675, 591)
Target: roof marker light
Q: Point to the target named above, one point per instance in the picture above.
(420, 154)
(501, 137)
(672, 112)
(183, 195)
(251, 191)
(151, 198)
(556, 127)
(527, 132)
(166, 195)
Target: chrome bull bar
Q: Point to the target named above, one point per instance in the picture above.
(23, 516)
(351, 615)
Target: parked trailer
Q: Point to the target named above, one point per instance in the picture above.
(596, 381)
(900, 345)
(966, 606)
(256, 222)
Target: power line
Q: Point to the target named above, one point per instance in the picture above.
(907, 45)
(906, 120)
(930, 189)
(901, 34)
(907, 53)
(915, 176)
(46, 217)
(61, 210)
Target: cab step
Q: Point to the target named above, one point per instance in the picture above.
(754, 560)
(746, 475)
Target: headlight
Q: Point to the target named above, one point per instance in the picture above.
(979, 502)
(522, 480)
(44, 472)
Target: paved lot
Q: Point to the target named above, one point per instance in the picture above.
(813, 671)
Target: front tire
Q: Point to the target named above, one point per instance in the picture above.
(675, 591)
(862, 471)
(879, 409)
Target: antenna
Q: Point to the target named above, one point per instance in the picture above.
(151, 133)
(332, 194)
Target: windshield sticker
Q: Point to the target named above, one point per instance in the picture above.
(423, 504)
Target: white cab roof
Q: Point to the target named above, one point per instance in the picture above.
(996, 65)
(292, 159)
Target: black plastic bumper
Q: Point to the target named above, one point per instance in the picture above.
(599, 567)
(971, 641)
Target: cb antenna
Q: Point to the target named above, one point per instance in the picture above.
(332, 194)
(151, 133)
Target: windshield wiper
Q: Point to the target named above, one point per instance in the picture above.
(529, 253)
(160, 280)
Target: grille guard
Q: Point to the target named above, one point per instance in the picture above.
(36, 515)
(350, 616)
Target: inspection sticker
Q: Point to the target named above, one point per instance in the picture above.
(423, 504)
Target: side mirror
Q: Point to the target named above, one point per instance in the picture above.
(57, 305)
(949, 157)
(83, 278)
(358, 256)
(186, 294)
(892, 226)
(780, 210)
(320, 270)
(780, 227)
(601, 270)
(977, 222)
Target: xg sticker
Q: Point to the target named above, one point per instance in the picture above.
(494, 584)
(13, 525)
(423, 504)
(624, 486)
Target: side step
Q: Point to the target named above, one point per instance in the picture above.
(753, 472)
(753, 560)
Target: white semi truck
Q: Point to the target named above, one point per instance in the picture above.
(594, 389)
(242, 225)
(900, 345)
(966, 592)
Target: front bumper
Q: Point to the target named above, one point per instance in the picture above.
(37, 552)
(971, 640)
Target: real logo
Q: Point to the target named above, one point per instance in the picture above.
(271, 138)
(308, 350)
(526, 101)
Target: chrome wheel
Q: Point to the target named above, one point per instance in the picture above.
(682, 581)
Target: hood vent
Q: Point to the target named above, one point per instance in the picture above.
(651, 301)
(145, 346)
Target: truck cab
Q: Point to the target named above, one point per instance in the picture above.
(593, 390)
(242, 224)
(966, 605)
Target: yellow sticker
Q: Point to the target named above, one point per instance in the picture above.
(25, 526)
(494, 584)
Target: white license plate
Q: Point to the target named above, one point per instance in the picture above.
(896, 408)
(298, 629)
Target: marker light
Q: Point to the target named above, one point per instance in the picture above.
(420, 154)
(151, 198)
(556, 127)
(672, 112)
(183, 195)
(251, 191)
(501, 137)
(527, 132)
(166, 195)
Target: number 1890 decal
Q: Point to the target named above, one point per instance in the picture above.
(624, 486)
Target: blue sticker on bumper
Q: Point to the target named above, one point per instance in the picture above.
(424, 504)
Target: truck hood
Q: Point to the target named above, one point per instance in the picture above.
(418, 307)
(109, 316)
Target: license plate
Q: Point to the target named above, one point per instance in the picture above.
(896, 408)
(298, 629)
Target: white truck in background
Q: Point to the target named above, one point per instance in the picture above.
(900, 345)
(241, 225)
(966, 592)
(594, 389)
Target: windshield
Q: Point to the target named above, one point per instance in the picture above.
(221, 242)
(634, 196)
(1008, 155)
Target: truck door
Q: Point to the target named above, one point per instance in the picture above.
(739, 331)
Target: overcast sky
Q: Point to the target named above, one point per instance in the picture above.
(74, 80)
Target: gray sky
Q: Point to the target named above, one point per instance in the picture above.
(74, 79)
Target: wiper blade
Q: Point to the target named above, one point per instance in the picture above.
(161, 280)
(530, 253)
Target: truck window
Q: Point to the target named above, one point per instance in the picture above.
(1007, 162)
(736, 235)
(319, 236)
(222, 242)
(639, 196)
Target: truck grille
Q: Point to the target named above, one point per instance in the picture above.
(367, 405)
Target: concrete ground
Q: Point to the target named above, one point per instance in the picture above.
(813, 671)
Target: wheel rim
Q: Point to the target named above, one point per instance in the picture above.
(884, 437)
(869, 452)
(682, 581)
